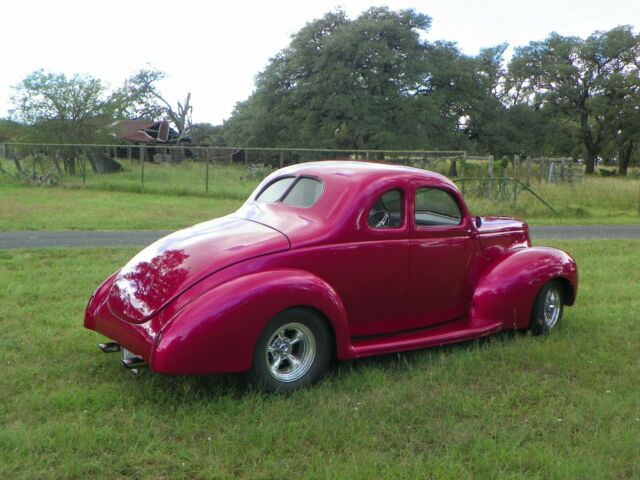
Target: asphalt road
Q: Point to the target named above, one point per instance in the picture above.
(46, 239)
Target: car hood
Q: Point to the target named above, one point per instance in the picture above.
(502, 232)
(168, 267)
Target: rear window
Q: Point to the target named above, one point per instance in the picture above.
(300, 191)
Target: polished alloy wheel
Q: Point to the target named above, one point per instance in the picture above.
(552, 307)
(290, 352)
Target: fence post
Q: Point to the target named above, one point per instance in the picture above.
(490, 172)
(281, 158)
(528, 169)
(207, 159)
(516, 168)
(142, 155)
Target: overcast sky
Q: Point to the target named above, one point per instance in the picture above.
(215, 49)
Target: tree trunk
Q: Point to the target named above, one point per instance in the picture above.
(591, 162)
(592, 146)
(624, 157)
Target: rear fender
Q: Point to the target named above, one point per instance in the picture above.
(217, 332)
(508, 287)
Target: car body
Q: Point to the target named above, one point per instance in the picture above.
(334, 257)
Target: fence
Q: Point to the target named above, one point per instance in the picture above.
(234, 172)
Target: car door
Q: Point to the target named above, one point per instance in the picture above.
(443, 247)
(370, 273)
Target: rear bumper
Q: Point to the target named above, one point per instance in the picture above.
(137, 338)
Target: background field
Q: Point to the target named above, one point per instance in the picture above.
(513, 406)
(169, 204)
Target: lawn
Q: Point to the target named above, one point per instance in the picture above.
(40, 208)
(174, 196)
(512, 406)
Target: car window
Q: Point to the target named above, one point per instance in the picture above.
(387, 211)
(304, 193)
(435, 207)
(300, 191)
(275, 190)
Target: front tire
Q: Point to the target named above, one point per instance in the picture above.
(547, 308)
(293, 351)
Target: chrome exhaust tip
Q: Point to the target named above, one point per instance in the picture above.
(110, 347)
(133, 363)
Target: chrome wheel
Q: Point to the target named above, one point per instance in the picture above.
(552, 307)
(547, 308)
(290, 352)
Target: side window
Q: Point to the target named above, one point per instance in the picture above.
(387, 211)
(304, 193)
(275, 190)
(300, 191)
(435, 207)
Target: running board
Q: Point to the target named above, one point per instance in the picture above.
(433, 337)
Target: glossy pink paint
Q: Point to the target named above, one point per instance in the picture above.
(197, 300)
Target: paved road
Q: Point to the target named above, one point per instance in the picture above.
(139, 238)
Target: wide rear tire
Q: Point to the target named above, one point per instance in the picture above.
(293, 351)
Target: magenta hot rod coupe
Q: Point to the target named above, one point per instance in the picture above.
(329, 258)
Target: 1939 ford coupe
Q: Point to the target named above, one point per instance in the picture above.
(350, 259)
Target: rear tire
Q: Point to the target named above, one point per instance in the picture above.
(547, 308)
(293, 351)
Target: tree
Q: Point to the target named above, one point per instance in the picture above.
(340, 84)
(575, 79)
(61, 109)
(10, 131)
(140, 98)
(207, 134)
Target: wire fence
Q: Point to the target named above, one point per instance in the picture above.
(234, 172)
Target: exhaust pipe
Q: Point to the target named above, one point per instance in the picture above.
(110, 347)
(133, 363)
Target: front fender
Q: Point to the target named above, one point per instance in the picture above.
(507, 289)
(217, 332)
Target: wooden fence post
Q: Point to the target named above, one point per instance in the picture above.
(516, 168)
(142, 155)
(490, 172)
(207, 159)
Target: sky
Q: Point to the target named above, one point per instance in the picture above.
(215, 49)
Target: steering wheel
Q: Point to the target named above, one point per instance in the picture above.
(380, 219)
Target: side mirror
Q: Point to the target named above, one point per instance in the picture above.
(478, 221)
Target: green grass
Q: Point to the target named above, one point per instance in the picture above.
(513, 406)
(596, 200)
(174, 196)
(41, 208)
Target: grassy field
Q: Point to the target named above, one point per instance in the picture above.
(41, 208)
(595, 201)
(513, 406)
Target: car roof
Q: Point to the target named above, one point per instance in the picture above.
(358, 171)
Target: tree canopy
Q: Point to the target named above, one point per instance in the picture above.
(77, 109)
(374, 82)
